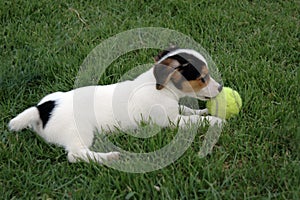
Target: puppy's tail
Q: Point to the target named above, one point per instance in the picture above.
(26, 118)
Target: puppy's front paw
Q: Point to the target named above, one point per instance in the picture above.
(113, 156)
(72, 157)
(216, 121)
(201, 112)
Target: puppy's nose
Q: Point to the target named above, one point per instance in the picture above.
(220, 88)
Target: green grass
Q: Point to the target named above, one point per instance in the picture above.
(256, 48)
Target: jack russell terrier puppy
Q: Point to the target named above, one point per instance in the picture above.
(70, 119)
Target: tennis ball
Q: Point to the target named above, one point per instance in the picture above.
(227, 104)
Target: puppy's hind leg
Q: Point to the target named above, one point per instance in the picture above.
(88, 155)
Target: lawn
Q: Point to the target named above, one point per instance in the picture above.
(255, 45)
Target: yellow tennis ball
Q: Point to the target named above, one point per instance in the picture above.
(227, 104)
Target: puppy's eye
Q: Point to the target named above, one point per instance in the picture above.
(204, 79)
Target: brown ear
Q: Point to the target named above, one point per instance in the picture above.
(164, 52)
(162, 74)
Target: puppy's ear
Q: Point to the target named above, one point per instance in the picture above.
(162, 74)
(160, 55)
(165, 52)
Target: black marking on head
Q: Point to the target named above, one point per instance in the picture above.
(190, 66)
(189, 72)
(185, 58)
(45, 111)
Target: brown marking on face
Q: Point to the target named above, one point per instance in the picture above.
(191, 85)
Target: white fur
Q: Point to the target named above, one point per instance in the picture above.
(188, 51)
(80, 112)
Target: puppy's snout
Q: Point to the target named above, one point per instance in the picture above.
(220, 88)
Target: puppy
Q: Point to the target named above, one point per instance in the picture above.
(70, 119)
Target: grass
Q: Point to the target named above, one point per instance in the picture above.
(256, 48)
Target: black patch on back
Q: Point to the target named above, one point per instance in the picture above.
(45, 110)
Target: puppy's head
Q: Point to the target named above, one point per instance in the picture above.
(188, 71)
